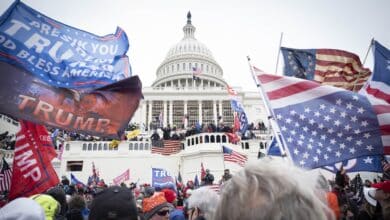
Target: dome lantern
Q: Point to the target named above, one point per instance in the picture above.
(189, 29)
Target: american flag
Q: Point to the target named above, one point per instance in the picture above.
(166, 147)
(320, 124)
(233, 156)
(327, 66)
(378, 91)
(196, 72)
(5, 177)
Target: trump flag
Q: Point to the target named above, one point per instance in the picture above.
(33, 171)
(162, 179)
(319, 124)
(61, 55)
(101, 112)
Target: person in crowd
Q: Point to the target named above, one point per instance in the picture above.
(156, 207)
(331, 197)
(202, 204)
(368, 209)
(170, 196)
(149, 191)
(226, 176)
(382, 195)
(208, 178)
(51, 207)
(114, 202)
(22, 209)
(272, 189)
(77, 209)
(58, 194)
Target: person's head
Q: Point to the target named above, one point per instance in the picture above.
(58, 193)
(226, 171)
(149, 191)
(22, 209)
(207, 171)
(203, 201)
(271, 189)
(170, 195)
(113, 203)
(76, 206)
(50, 206)
(156, 207)
(382, 195)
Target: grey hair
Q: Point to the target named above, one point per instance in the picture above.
(272, 189)
(205, 199)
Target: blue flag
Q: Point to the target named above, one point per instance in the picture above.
(196, 181)
(74, 180)
(382, 64)
(321, 125)
(60, 55)
(161, 179)
(273, 149)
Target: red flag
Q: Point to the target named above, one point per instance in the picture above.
(33, 172)
(236, 122)
(202, 172)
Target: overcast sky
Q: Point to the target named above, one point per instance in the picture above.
(231, 29)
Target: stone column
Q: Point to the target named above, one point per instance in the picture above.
(150, 103)
(220, 109)
(185, 113)
(144, 115)
(215, 114)
(171, 112)
(200, 111)
(165, 113)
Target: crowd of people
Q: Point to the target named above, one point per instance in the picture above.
(270, 188)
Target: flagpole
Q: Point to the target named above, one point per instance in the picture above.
(368, 50)
(282, 145)
(223, 158)
(364, 61)
(277, 59)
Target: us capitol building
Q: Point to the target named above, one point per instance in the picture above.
(176, 98)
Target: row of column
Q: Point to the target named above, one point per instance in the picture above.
(149, 106)
(189, 82)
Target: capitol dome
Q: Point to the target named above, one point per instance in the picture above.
(189, 63)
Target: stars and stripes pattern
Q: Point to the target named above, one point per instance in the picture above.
(196, 73)
(378, 91)
(321, 125)
(166, 147)
(5, 176)
(234, 156)
(327, 66)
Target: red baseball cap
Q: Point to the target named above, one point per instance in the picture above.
(384, 186)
